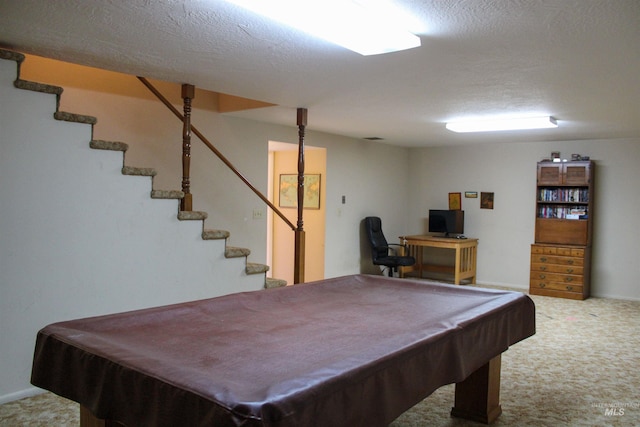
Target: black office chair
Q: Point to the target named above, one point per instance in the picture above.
(382, 252)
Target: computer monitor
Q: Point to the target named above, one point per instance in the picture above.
(448, 222)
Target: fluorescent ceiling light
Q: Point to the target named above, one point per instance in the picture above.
(503, 124)
(368, 27)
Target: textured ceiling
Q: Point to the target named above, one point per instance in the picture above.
(578, 60)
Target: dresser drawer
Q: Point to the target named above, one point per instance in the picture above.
(557, 250)
(557, 268)
(554, 259)
(565, 287)
(557, 278)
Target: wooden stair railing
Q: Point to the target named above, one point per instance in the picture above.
(188, 93)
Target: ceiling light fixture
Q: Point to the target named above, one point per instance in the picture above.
(503, 124)
(368, 27)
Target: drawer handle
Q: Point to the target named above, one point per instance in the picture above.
(543, 259)
(543, 268)
(570, 262)
(542, 285)
(568, 279)
(569, 270)
(569, 288)
(542, 276)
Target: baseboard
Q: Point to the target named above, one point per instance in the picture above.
(503, 285)
(613, 296)
(29, 392)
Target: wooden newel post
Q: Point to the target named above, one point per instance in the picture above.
(188, 93)
(298, 270)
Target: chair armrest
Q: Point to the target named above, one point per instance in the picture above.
(405, 248)
(389, 247)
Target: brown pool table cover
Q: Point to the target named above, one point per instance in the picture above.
(350, 351)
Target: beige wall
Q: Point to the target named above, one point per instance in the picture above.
(398, 184)
(371, 176)
(507, 231)
(286, 162)
(81, 239)
(34, 293)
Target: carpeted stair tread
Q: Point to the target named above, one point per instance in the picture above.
(233, 252)
(38, 87)
(99, 144)
(192, 215)
(75, 118)
(11, 55)
(167, 194)
(134, 171)
(271, 283)
(215, 234)
(255, 268)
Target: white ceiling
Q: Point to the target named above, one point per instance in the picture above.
(577, 60)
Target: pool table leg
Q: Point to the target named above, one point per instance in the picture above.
(87, 419)
(478, 396)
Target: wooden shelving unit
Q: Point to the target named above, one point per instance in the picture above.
(561, 254)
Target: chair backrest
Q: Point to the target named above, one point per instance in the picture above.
(373, 226)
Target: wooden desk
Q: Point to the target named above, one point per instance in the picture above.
(465, 256)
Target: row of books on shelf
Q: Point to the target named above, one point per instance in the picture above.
(562, 212)
(564, 195)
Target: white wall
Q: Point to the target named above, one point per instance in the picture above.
(507, 231)
(375, 182)
(77, 238)
(51, 272)
(372, 176)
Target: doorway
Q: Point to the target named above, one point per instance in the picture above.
(283, 160)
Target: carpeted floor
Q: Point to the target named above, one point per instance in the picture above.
(582, 368)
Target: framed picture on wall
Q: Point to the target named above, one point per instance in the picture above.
(486, 200)
(288, 191)
(455, 203)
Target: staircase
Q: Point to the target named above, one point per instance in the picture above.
(207, 234)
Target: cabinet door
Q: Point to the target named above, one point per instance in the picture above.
(565, 173)
(576, 174)
(562, 231)
(549, 173)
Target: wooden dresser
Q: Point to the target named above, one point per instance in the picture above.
(561, 254)
(560, 271)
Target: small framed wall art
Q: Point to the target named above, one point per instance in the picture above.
(455, 203)
(289, 191)
(486, 200)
